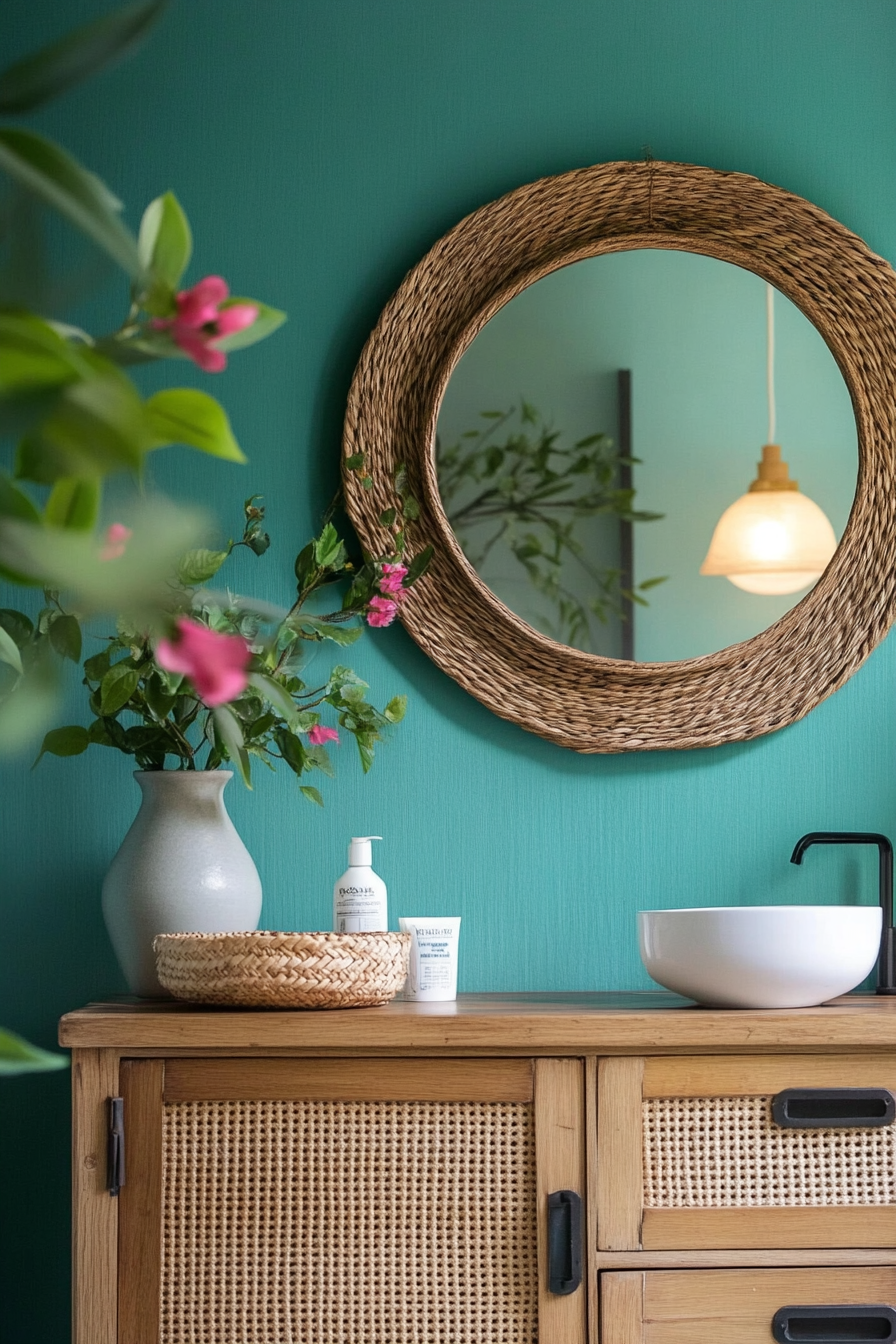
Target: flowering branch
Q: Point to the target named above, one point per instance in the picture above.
(220, 681)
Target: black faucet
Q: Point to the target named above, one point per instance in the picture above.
(886, 962)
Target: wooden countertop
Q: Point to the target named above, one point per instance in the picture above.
(487, 1024)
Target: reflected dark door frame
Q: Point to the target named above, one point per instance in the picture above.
(626, 529)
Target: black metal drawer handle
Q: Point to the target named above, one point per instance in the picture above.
(834, 1108)
(564, 1242)
(835, 1325)
(115, 1155)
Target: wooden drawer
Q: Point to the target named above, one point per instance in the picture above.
(690, 1156)
(739, 1306)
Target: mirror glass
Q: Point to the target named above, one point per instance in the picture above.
(597, 428)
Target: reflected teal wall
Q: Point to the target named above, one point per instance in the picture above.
(692, 331)
(319, 150)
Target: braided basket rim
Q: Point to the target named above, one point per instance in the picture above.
(269, 937)
(264, 968)
(584, 701)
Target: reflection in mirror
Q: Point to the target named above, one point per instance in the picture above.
(599, 542)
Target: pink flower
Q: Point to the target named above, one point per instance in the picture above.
(201, 321)
(382, 611)
(216, 664)
(391, 580)
(318, 735)
(117, 538)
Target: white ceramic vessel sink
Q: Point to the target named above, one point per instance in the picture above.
(761, 956)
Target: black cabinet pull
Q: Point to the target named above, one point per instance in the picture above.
(115, 1179)
(834, 1108)
(564, 1242)
(835, 1325)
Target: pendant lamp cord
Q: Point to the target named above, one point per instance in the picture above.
(770, 358)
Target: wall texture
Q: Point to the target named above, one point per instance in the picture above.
(320, 148)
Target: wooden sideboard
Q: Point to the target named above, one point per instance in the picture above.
(416, 1174)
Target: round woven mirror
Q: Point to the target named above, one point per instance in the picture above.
(580, 700)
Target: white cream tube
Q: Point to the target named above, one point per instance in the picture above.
(432, 971)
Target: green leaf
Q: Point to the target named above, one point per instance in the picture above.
(65, 636)
(34, 356)
(265, 324)
(99, 733)
(387, 517)
(150, 738)
(16, 624)
(69, 741)
(324, 629)
(20, 1056)
(319, 756)
(652, 583)
(292, 749)
(410, 509)
(304, 565)
(327, 547)
(231, 734)
(74, 502)
(96, 667)
(98, 425)
(70, 333)
(117, 687)
(165, 243)
(396, 708)
(60, 181)
(360, 591)
(365, 751)
(276, 694)
(9, 651)
(75, 57)
(31, 706)
(186, 415)
(14, 503)
(311, 793)
(258, 541)
(160, 700)
(352, 694)
(355, 462)
(148, 346)
(199, 566)
(418, 566)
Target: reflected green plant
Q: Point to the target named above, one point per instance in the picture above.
(512, 484)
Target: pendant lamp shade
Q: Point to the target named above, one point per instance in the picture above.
(773, 540)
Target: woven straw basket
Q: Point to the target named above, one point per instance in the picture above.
(283, 970)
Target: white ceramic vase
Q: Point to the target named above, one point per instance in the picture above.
(181, 868)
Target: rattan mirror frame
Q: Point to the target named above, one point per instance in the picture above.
(580, 700)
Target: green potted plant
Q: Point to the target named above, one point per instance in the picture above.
(219, 679)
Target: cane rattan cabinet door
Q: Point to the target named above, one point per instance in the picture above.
(349, 1201)
(718, 1152)
(748, 1306)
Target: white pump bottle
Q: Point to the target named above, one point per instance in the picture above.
(359, 896)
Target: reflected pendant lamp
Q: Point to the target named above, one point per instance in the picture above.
(773, 540)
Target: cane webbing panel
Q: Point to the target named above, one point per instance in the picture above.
(348, 1223)
(727, 1152)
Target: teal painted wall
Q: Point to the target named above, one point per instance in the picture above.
(319, 150)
